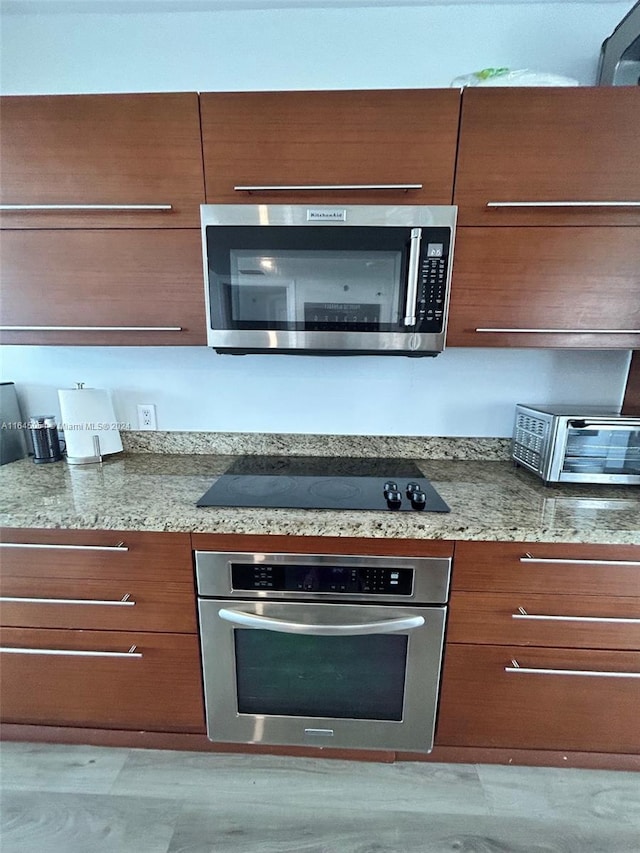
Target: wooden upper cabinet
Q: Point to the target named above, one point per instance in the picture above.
(548, 145)
(92, 150)
(102, 287)
(321, 139)
(546, 287)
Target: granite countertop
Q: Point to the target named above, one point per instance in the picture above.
(489, 500)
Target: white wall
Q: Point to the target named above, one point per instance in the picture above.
(462, 392)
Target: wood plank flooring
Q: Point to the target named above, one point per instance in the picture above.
(77, 799)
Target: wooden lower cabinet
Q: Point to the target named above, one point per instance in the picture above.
(492, 698)
(102, 679)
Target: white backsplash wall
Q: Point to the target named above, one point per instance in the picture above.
(50, 48)
(462, 392)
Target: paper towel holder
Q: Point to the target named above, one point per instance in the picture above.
(87, 442)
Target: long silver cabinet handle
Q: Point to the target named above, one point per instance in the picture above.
(125, 601)
(388, 626)
(564, 331)
(35, 208)
(614, 620)
(298, 187)
(529, 670)
(529, 558)
(132, 653)
(411, 307)
(91, 328)
(119, 547)
(495, 204)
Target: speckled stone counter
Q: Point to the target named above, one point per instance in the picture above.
(489, 501)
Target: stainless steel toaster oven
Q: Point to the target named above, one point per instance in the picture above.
(572, 445)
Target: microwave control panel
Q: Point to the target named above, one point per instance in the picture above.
(432, 286)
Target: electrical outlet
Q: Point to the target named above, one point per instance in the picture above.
(147, 416)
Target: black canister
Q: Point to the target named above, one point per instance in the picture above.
(46, 442)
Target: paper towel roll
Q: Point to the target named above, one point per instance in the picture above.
(88, 413)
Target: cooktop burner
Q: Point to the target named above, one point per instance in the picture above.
(315, 482)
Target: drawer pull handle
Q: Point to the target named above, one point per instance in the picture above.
(132, 653)
(497, 204)
(91, 328)
(119, 547)
(528, 558)
(36, 208)
(564, 331)
(615, 620)
(125, 601)
(527, 670)
(299, 187)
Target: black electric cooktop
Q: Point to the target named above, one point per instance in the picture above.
(315, 482)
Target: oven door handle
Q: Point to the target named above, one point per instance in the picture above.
(266, 623)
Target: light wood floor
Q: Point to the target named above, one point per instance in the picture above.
(76, 799)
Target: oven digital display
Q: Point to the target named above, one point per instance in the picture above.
(363, 580)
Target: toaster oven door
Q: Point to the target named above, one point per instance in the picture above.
(599, 452)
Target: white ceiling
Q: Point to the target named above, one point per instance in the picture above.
(66, 6)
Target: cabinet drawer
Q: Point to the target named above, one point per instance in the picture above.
(542, 701)
(137, 157)
(357, 147)
(113, 287)
(121, 555)
(528, 619)
(547, 568)
(113, 605)
(101, 679)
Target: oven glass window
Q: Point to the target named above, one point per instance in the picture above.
(602, 451)
(359, 678)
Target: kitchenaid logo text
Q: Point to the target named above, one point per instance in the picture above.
(336, 215)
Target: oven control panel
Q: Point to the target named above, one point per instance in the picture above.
(359, 580)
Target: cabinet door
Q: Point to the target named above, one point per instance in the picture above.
(534, 698)
(559, 156)
(546, 287)
(139, 154)
(101, 679)
(359, 139)
(107, 287)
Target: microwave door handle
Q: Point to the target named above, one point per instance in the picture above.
(266, 623)
(411, 307)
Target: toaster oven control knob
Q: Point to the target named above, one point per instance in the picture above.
(418, 500)
(394, 498)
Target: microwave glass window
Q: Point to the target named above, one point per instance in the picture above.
(353, 677)
(317, 279)
(314, 290)
(602, 451)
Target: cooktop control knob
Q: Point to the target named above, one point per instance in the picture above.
(418, 500)
(394, 498)
(390, 486)
(411, 488)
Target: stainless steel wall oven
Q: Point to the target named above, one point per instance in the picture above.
(322, 650)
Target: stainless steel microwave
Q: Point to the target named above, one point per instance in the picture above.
(571, 445)
(355, 279)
